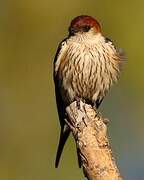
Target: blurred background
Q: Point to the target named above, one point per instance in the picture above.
(29, 129)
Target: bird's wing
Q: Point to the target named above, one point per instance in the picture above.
(119, 56)
(59, 57)
(65, 131)
(119, 51)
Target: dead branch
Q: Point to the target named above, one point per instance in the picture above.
(90, 132)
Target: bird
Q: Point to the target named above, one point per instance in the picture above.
(86, 65)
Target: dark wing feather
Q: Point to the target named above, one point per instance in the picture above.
(65, 131)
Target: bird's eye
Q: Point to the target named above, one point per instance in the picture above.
(86, 28)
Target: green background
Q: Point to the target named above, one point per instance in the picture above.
(30, 31)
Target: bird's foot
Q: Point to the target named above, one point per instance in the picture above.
(70, 124)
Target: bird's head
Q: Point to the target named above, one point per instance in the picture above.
(84, 24)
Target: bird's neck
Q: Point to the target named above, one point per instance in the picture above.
(87, 38)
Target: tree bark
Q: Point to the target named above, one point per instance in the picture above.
(89, 129)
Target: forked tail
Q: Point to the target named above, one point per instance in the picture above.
(63, 138)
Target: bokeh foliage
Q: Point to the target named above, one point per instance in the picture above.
(29, 129)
